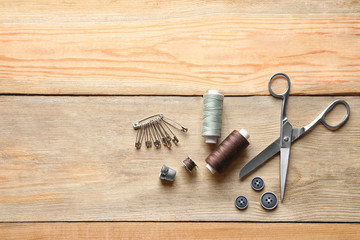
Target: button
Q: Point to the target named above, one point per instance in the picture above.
(241, 202)
(257, 183)
(269, 201)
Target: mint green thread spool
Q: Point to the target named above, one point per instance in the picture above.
(212, 116)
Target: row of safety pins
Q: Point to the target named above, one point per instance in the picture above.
(156, 131)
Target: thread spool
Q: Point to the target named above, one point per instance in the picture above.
(212, 116)
(228, 149)
(189, 164)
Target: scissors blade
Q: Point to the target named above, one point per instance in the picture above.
(284, 162)
(261, 158)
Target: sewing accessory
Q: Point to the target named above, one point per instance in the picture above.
(189, 164)
(156, 129)
(241, 202)
(268, 200)
(288, 134)
(167, 174)
(227, 150)
(212, 116)
(257, 183)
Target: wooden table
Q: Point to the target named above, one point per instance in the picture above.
(74, 76)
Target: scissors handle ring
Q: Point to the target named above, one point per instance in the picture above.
(286, 92)
(329, 108)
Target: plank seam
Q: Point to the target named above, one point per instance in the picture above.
(175, 95)
(96, 221)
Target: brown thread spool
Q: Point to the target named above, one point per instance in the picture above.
(225, 153)
(189, 164)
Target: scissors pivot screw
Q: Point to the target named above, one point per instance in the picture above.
(286, 139)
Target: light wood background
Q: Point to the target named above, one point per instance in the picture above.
(74, 76)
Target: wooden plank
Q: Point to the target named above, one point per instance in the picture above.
(178, 48)
(23, 11)
(150, 230)
(73, 159)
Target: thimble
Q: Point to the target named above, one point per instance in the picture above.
(167, 174)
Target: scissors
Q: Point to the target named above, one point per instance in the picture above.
(288, 134)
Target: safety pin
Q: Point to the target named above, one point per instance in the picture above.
(163, 135)
(156, 131)
(157, 142)
(137, 125)
(148, 138)
(167, 136)
(175, 139)
(139, 138)
(182, 127)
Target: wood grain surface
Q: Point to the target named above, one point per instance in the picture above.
(178, 47)
(73, 159)
(150, 230)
